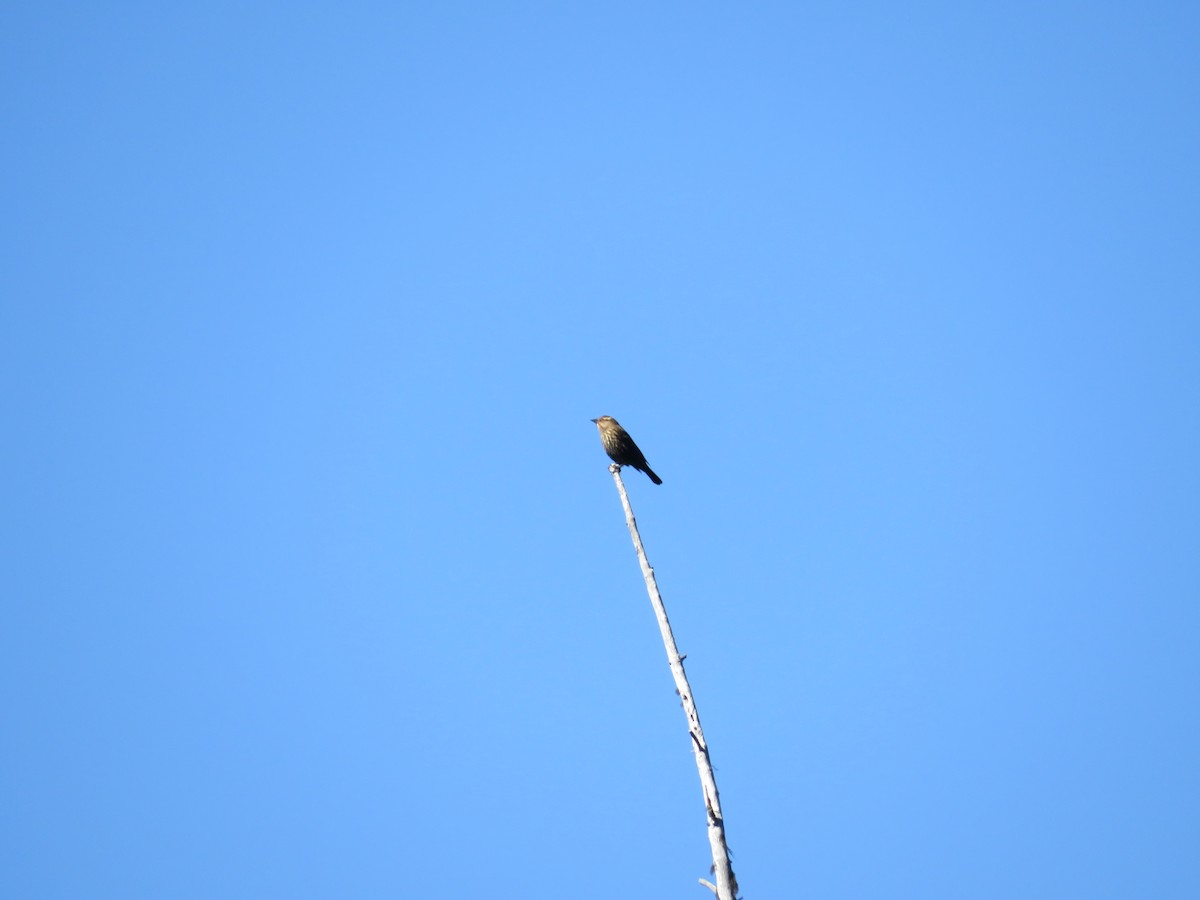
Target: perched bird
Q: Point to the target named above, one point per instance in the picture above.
(620, 446)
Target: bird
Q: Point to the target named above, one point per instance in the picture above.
(620, 447)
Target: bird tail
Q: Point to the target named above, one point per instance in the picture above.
(653, 477)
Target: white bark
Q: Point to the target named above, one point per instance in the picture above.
(726, 887)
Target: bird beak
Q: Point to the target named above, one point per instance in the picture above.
(591, 420)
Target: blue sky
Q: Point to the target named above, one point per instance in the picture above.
(316, 584)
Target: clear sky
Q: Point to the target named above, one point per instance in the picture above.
(315, 583)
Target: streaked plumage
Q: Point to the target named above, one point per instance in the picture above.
(620, 446)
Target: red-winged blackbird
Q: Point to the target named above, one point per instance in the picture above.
(620, 446)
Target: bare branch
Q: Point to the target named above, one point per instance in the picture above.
(726, 887)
